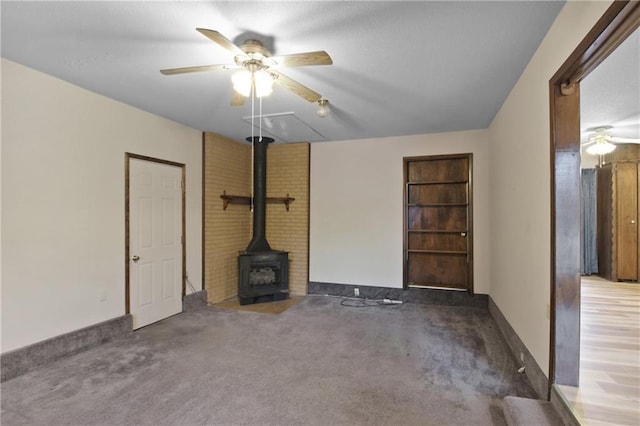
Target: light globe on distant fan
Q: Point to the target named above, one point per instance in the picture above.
(600, 141)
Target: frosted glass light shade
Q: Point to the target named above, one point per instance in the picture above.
(263, 82)
(243, 80)
(323, 108)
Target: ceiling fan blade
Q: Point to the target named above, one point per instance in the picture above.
(237, 99)
(615, 139)
(319, 57)
(295, 87)
(221, 40)
(200, 68)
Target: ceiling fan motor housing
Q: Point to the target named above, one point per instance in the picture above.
(255, 46)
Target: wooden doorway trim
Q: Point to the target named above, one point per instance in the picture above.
(620, 20)
(127, 255)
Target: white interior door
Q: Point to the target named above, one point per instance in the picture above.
(155, 241)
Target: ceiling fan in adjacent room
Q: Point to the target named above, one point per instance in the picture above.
(600, 141)
(257, 69)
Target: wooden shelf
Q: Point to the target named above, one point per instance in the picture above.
(438, 231)
(246, 200)
(438, 252)
(436, 286)
(439, 205)
(233, 199)
(437, 182)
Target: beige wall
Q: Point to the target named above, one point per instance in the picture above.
(288, 173)
(356, 203)
(63, 195)
(63, 244)
(520, 176)
(228, 168)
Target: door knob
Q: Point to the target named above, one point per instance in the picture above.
(633, 221)
(135, 258)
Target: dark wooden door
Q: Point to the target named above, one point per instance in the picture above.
(438, 222)
(618, 209)
(626, 176)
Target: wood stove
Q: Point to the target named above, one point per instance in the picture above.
(263, 273)
(263, 276)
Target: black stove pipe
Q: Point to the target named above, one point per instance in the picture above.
(259, 241)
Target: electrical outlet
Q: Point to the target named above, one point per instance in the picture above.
(356, 292)
(522, 356)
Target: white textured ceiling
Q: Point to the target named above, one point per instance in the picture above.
(399, 67)
(610, 95)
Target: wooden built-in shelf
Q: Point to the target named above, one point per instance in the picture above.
(437, 182)
(438, 221)
(439, 205)
(436, 286)
(246, 200)
(438, 231)
(437, 251)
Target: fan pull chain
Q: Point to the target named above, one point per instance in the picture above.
(260, 118)
(253, 98)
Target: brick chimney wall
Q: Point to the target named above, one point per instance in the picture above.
(227, 167)
(288, 173)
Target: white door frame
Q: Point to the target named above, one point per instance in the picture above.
(127, 255)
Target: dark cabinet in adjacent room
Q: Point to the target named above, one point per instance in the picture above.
(618, 195)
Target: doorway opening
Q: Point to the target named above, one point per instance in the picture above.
(609, 380)
(618, 22)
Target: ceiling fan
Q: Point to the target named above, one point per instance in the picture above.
(257, 68)
(600, 141)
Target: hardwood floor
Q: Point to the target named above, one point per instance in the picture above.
(609, 391)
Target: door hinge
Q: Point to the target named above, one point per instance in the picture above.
(182, 239)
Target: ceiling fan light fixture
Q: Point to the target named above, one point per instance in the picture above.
(256, 77)
(242, 82)
(323, 108)
(263, 82)
(244, 79)
(601, 147)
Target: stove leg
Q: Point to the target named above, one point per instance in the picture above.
(246, 300)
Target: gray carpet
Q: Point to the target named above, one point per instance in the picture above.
(530, 412)
(317, 363)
